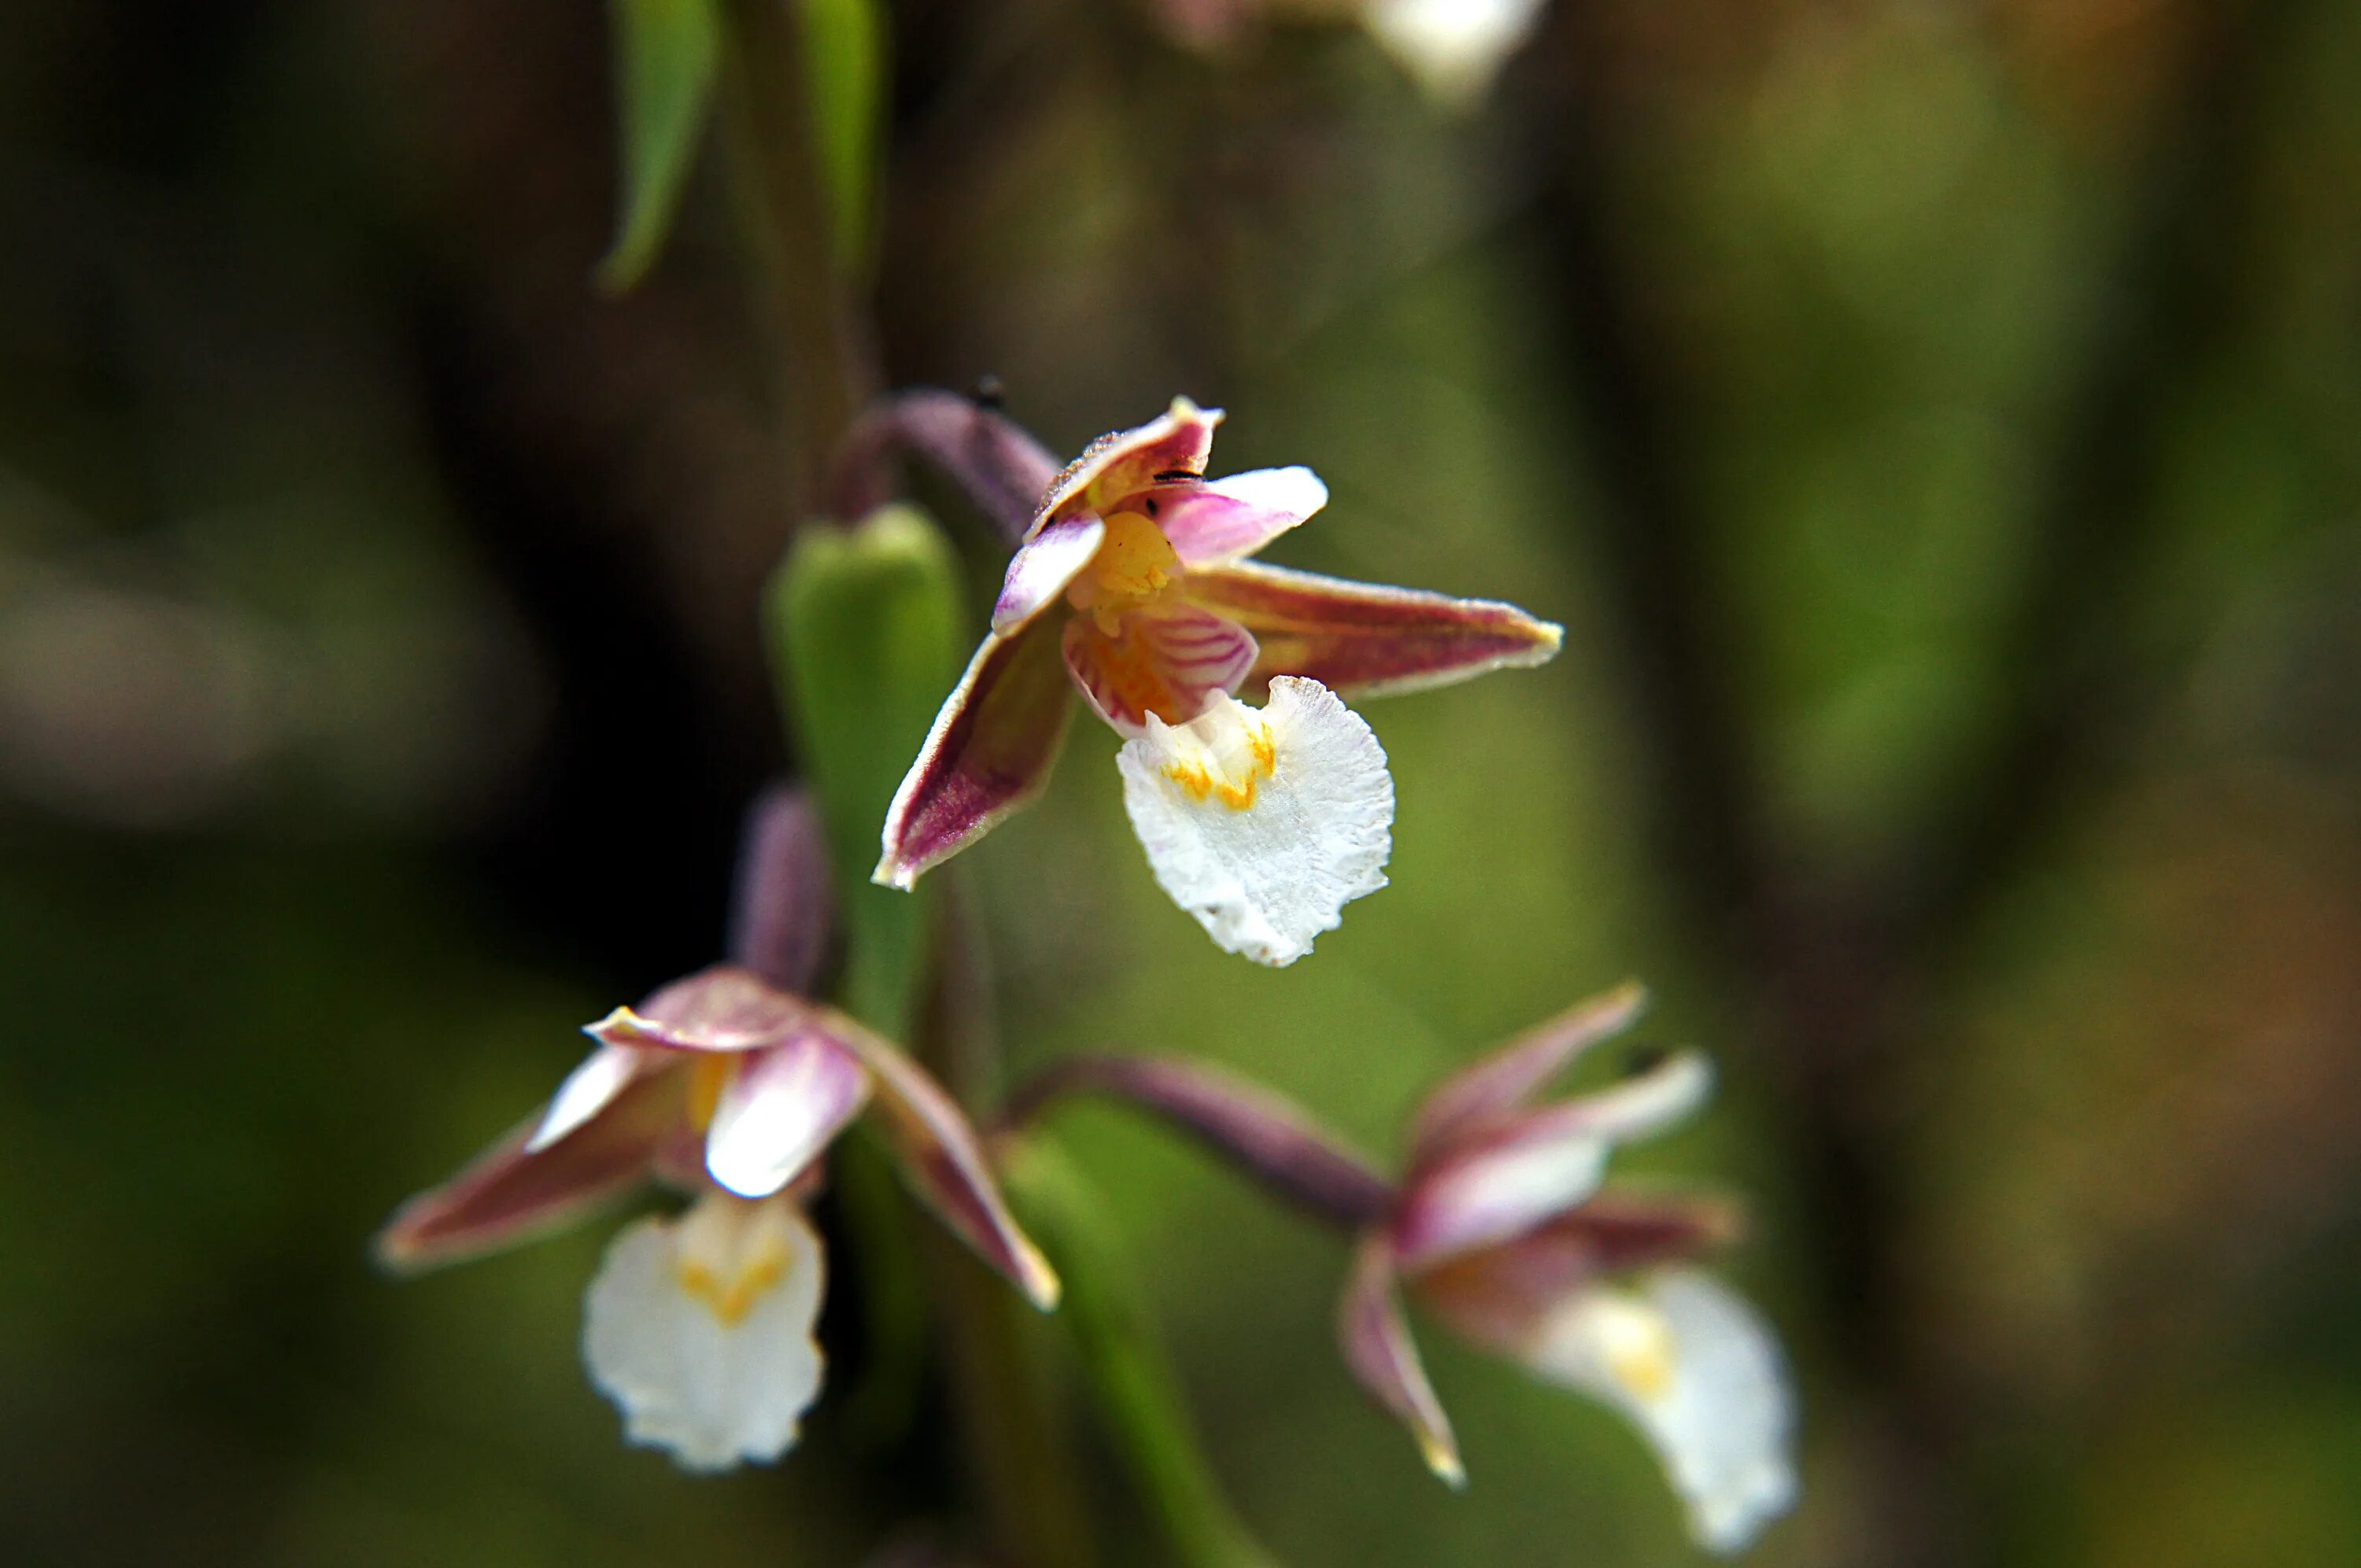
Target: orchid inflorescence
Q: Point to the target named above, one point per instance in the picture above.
(1264, 805)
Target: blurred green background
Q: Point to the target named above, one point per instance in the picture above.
(1936, 424)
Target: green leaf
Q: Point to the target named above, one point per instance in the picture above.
(666, 53)
(844, 70)
(866, 639)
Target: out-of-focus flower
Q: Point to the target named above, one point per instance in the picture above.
(1132, 584)
(1499, 1228)
(728, 1086)
(1453, 48)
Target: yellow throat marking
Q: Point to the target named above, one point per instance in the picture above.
(1203, 775)
(730, 1254)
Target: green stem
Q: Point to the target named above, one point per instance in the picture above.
(1019, 1453)
(1131, 1379)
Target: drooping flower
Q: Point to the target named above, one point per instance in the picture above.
(1132, 585)
(1499, 1228)
(728, 1086)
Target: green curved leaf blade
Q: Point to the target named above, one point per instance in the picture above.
(667, 55)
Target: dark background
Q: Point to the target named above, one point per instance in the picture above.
(1934, 422)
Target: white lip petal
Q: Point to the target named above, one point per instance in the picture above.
(1700, 1373)
(1263, 826)
(700, 1331)
(1454, 48)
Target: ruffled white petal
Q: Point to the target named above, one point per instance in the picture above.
(1699, 1371)
(1263, 826)
(1454, 48)
(701, 1330)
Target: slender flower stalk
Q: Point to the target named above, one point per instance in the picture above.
(1500, 1228)
(1132, 585)
(727, 1086)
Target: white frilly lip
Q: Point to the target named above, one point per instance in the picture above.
(1699, 1372)
(1263, 826)
(699, 1329)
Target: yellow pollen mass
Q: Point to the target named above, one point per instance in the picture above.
(1133, 564)
(1201, 774)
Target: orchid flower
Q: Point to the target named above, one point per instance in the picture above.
(728, 1086)
(1132, 584)
(1499, 1228)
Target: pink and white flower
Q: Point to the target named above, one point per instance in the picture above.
(1499, 1228)
(1132, 585)
(728, 1085)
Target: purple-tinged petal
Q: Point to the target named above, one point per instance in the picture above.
(779, 1110)
(588, 1090)
(1509, 1077)
(719, 1008)
(509, 1193)
(785, 903)
(1378, 1348)
(1363, 639)
(1124, 462)
(988, 754)
(944, 1162)
(1496, 1296)
(1042, 567)
(1522, 1169)
(1226, 519)
(1168, 660)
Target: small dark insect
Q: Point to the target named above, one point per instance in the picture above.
(1152, 506)
(989, 395)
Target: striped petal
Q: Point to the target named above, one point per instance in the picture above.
(1362, 638)
(1374, 1338)
(1166, 660)
(1224, 519)
(1126, 462)
(1509, 1077)
(511, 1194)
(779, 1110)
(988, 754)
